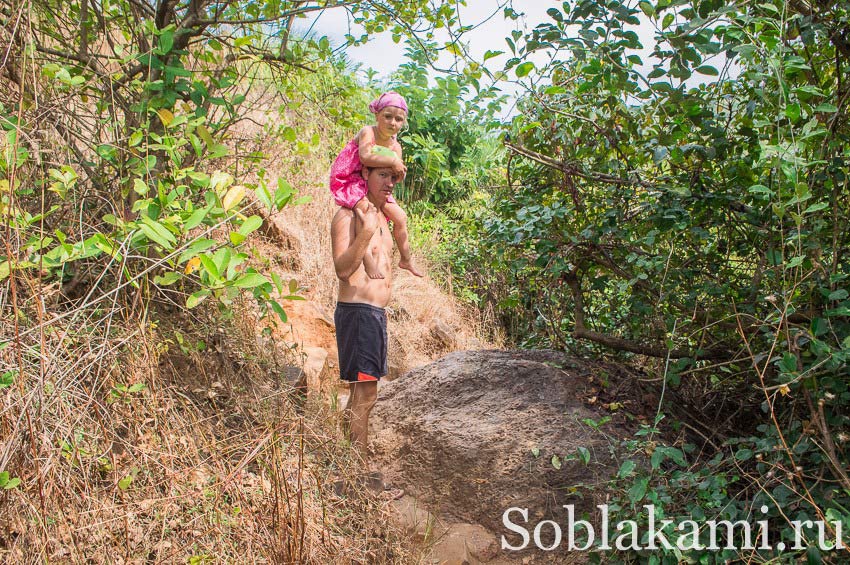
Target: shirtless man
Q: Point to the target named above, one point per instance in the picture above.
(360, 318)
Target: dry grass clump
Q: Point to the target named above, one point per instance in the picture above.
(152, 436)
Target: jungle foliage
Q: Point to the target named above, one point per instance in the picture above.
(691, 206)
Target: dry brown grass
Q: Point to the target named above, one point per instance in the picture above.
(209, 457)
(210, 460)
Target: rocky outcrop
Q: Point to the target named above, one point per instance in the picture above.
(475, 433)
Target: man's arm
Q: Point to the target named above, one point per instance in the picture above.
(349, 248)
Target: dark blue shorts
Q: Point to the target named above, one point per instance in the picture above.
(361, 340)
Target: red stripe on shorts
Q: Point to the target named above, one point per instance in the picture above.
(365, 377)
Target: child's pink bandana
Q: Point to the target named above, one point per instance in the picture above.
(387, 99)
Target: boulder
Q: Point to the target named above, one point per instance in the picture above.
(443, 333)
(475, 433)
(315, 365)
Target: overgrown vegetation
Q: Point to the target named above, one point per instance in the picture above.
(700, 225)
(686, 210)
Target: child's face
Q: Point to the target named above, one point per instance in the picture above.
(390, 120)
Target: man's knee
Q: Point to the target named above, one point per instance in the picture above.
(364, 396)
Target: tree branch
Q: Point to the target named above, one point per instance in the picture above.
(572, 169)
(620, 344)
(277, 18)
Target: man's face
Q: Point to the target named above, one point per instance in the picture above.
(380, 182)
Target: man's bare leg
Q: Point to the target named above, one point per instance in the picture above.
(361, 399)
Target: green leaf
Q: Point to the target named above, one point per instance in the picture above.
(157, 233)
(760, 189)
(194, 249)
(584, 454)
(278, 283)
(826, 107)
(556, 462)
(626, 468)
(196, 298)
(490, 54)
(210, 267)
(250, 225)
(124, 483)
(707, 70)
(222, 259)
(788, 363)
(744, 454)
(7, 379)
(524, 69)
(638, 490)
(7, 482)
(197, 217)
(676, 455)
(167, 278)
(166, 41)
(12, 483)
(535, 451)
(816, 208)
(793, 112)
(205, 135)
(250, 280)
(795, 262)
(647, 9)
(135, 138)
(656, 458)
(278, 309)
(839, 294)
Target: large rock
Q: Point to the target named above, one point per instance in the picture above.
(315, 368)
(461, 434)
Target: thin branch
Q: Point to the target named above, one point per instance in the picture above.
(572, 169)
(277, 18)
(621, 344)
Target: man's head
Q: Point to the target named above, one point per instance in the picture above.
(380, 182)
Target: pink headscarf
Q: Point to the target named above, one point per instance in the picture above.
(391, 98)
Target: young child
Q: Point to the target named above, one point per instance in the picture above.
(375, 146)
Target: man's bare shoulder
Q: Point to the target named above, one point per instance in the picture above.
(342, 214)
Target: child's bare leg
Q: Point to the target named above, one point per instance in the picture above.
(369, 261)
(399, 219)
